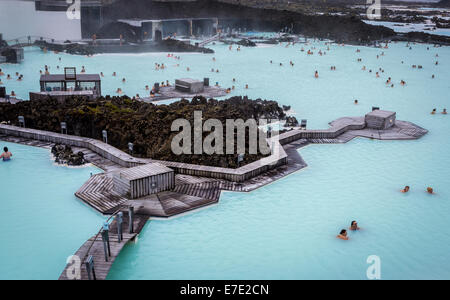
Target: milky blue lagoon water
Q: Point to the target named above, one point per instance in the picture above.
(287, 230)
(42, 221)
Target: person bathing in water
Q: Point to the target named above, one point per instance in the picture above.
(354, 226)
(406, 189)
(6, 155)
(343, 235)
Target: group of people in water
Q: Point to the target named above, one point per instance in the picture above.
(343, 234)
(8, 77)
(444, 111)
(406, 189)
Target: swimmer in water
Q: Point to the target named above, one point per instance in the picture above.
(6, 155)
(8, 77)
(13, 94)
(124, 80)
(343, 235)
(246, 86)
(405, 190)
(444, 111)
(430, 190)
(356, 101)
(119, 91)
(316, 74)
(1, 72)
(101, 74)
(433, 111)
(83, 70)
(354, 226)
(114, 74)
(432, 76)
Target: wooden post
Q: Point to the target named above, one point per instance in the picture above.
(63, 128)
(21, 121)
(90, 268)
(105, 136)
(240, 158)
(130, 148)
(131, 219)
(105, 238)
(119, 221)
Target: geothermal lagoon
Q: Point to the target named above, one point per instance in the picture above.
(285, 230)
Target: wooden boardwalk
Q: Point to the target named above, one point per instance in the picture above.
(89, 155)
(98, 192)
(94, 246)
(193, 192)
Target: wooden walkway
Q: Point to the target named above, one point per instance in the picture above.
(94, 246)
(89, 155)
(98, 192)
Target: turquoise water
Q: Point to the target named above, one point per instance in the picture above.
(42, 221)
(287, 229)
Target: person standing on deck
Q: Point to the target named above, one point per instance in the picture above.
(6, 155)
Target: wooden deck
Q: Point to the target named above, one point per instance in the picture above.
(94, 246)
(98, 192)
(89, 155)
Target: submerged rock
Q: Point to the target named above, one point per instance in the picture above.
(64, 155)
(246, 43)
(291, 122)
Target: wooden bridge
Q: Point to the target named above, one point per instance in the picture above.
(209, 40)
(27, 41)
(95, 249)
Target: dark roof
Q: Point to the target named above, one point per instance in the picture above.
(61, 77)
(381, 113)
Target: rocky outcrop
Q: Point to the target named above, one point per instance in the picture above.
(246, 43)
(417, 36)
(167, 45)
(443, 3)
(172, 45)
(64, 155)
(113, 30)
(339, 28)
(146, 125)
